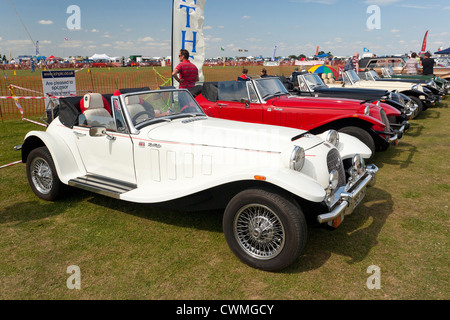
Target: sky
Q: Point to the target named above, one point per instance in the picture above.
(124, 28)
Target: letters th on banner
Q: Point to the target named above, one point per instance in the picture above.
(187, 31)
(59, 83)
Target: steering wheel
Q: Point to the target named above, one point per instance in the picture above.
(151, 115)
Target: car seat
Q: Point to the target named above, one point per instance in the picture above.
(331, 78)
(94, 110)
(134, 105)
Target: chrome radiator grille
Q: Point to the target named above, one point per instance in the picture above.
(334, 162)
(385, 120)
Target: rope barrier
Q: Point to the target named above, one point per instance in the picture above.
(10, 164)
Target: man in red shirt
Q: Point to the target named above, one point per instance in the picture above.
(186, 73)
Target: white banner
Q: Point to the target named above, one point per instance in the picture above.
(187, 32)
(59, 83)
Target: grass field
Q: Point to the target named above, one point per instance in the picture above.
(135, 251)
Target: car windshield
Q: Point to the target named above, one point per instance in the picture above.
(314, 81)
(387, 72)
(374, 74)
(353, 76)
(270, 87)
(149, 107)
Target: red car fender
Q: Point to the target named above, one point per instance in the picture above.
(390, 110)
(207, 106)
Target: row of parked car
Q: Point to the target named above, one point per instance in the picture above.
(276, 156)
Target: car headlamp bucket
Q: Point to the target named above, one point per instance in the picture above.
(367, 109)
(358, 164)
(333, 138)
(334, 179)
(297, 159)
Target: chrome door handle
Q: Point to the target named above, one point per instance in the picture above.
(78, 134)
(222, 105)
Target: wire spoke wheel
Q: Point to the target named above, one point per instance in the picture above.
(259, 231)
(41, 175)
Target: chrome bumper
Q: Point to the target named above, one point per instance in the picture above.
(349, 200)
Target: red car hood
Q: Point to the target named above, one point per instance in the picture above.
(316, 102)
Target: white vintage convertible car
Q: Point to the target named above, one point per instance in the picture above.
(421, 96)
(158, 147)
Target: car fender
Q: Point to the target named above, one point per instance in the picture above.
(415, 93)
(296, 183)
(390, 110)
(349, 146)
(65, 163)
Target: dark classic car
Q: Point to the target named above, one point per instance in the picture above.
(267, 101)
(310, 84)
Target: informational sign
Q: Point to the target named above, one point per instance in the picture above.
(187, 32)
(59, 83)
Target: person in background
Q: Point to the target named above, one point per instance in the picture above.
(411, 65)
(428, 64)
(186, 73)
(244, 76)
(264, 73)
(295, 74)
(355, 62)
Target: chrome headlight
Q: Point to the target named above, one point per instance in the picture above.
(358, 164)
(432, 84)
(367, 109)
(297, 159)
(333, 137)
(334, 179)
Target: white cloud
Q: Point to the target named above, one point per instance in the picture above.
(246, 17)
(395, 31)
(45, 22)
(207, 28)
(382, 2)
(94, 30)
(315, 1)
(146, 39)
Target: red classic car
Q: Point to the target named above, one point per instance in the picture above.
(267, 101)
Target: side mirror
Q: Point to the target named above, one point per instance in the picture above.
(246, 101)
(97, 131)
(100, 132)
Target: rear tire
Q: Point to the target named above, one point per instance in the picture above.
(265, 230)
(42, 175)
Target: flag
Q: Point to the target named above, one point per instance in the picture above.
(222, 49)
(187, 31)
(274, 52)
(366, 50)
(67, 39)
(424, 44)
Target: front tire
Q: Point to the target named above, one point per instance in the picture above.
(419, 104)
(42, 175)
(265, 230)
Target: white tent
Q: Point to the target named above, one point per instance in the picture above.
(97, 57)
